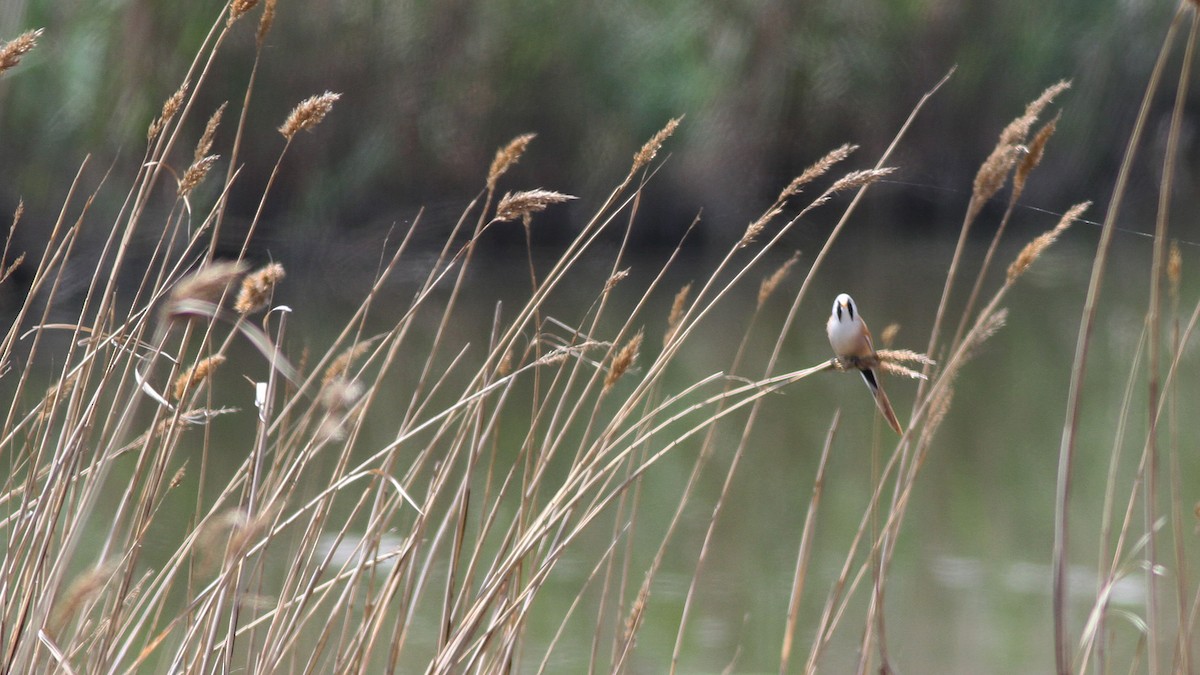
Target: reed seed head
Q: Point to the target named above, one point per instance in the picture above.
(676, 312)
(265, 23)
(200, 372)
(615, 279)
(1043, 241)
(196, 174)
(1033, 157)
(204, 285)
(514, 205)
(816, 170)
(210, 131)
(652, 146)
(238, 9)
(623, 360)
(756, 228)
(338, 368)
(1009, 148)
(170, 107)
(858, 179)
(1174, 267)
(308, 114)
(257, 288)
(506, 157)
(767, 288)
(12, 51)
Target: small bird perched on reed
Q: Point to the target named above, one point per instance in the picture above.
(851, 341)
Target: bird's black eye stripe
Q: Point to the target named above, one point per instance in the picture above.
(850, 309)
(839, 312)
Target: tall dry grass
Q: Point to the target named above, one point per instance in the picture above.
(326, 551)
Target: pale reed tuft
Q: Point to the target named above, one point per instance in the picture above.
(337, 397)
(994, 170)
(210, 131)
(857, 179)
(770, 283)
(676, 313)
(756, 228)
(191, 379)
(57, 392)
(177, 479)
(338, 368)
(6, 269)
(204, 285)
(81, 591)
(308, 114)
(1174, 267)
(652, 146)
(615, 279)
(514, 205)
(506, 363)
(265, 23)
(257, 288)
(12, 267)
(238, 9)
(1040, 243)
(170, 107)
(1033, 157)
(506, 157)
(196, 174)
(816, 170)
(13, 50)
(888, 335)
(624, 358)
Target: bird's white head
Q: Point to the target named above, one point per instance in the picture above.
(844, 309)
(847, 332)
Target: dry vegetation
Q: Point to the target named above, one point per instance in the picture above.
(445, 540)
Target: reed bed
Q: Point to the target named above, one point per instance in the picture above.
(328, 550)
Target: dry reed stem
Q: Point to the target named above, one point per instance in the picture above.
(257, 289)
(13, 50)
(506, 157)
(523, 204)
(770, 283)
(308, 114)
(650, 149)
(170, 107)
(623, 360)
(676, 312)
(1043, 241)
(192, 378)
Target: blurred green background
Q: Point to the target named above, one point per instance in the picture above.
(431, 89)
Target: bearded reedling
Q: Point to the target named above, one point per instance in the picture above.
(851, 341)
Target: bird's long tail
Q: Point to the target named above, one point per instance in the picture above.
(881, 399)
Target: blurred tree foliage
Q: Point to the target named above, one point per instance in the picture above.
(431, 88)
